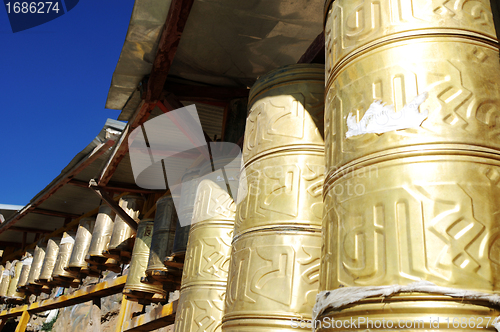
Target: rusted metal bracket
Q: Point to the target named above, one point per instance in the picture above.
(103, 194)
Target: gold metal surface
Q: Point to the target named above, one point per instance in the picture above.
(460, 78)
(414, 312)
(49, 261)
(65, 250)
(206, 265)
(284, 189)
(421, 203)
(36, 267)
(354, 26)
(163, 236)
(82, 245)
(122, 237)
(101, 234)
(12, 290)
(286, 111)
(273, 276)
(200, 308)
(423, 217)
(4, 283)
(134, 289)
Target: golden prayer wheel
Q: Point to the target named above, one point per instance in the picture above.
(36, 267)
(122, 237)
(49, 261)
(134, 289)
(25, 272)
(4, 283)
(12, 293)
(63, 256)
(81, 246)
(101, 235)
(204, 276)
(411, 193)
(185, 213)
(273, 277)
(162, 240)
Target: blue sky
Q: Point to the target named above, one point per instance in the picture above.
(54, 82)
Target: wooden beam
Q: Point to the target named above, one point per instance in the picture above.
(167, 47)
(101, 192)
(98, 151)
(205, 92)
(55, 213)
(118, 187)
(30, 230)
(23, 322)
(82, 295)
(10, 244)
(315, 53)
(159, 317)
(121, 148)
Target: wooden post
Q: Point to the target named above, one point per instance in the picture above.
(2, 323)
(121, 315)
(23, 322)
(95, 316)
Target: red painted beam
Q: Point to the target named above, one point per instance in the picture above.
(169, 42)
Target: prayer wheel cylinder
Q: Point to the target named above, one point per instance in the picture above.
(15, 275)
(4, 283)
(101, 235)
(63, 256)
(49, 262)
(81, 246)
(122, 237)
(36, 267)
(163, 238)
(206, 263)
(273, 277)
(419, 202)
(185, 213)
(134, 289)
(25, 272)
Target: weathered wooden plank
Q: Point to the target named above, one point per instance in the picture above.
(159, 317)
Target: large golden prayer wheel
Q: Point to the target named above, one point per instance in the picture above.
(12, 294)
(134, 289)
(204, 277)
(4, 283)
(81, 246)
(273, 277)
(162, 240)
(63, 256)
(49, 262)
(122, 238)
(101, 235)
(36, 267)
(412, 195)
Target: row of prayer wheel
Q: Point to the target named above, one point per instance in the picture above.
(63, 261)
